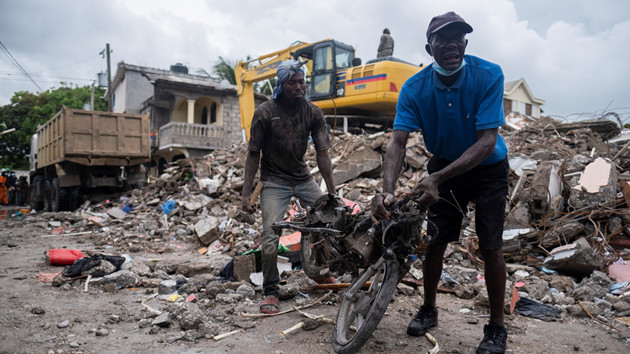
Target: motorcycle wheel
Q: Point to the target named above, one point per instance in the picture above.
(313, 257)
(360, 310)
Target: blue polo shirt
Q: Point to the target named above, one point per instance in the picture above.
(450, 117)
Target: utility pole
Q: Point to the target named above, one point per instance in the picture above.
(109, 77)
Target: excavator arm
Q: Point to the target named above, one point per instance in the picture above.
(258, 69)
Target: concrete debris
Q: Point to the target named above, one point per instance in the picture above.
(566, 222)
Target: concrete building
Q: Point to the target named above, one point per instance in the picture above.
(191, 114)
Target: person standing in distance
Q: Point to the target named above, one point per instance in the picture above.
(457, 103)
(386, 46)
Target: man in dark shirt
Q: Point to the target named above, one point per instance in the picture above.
(386, 46)
(280, 130)
(457, 102)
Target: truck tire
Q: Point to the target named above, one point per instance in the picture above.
(35, 193)
(59, 197)
(47, 196)
(74, 198)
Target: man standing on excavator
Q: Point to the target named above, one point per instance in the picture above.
(457, 103)
(386, 46)
(280, 129)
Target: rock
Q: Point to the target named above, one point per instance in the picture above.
(214, 288)
(464, 291)
(621, 306)
(361, 161)
(187, 289)
(192, 317)
(596, 286)
(311, 324)
(63, 324)
(208, 230)
(195, 201)
(577, 311)
(229, 298)
(577, 258)
(537, 289)
(167, 287)
(562, 283)
(246, 291)
(462, 275)
(141, 269)
(191, 269)
(117, 213)
(162, 320)
(74, 345)
(603, 304)
(561, 235)
(405, 289)
(38, 310)
(101, 332)
(288, 291)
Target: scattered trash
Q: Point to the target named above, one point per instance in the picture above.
(535, 309)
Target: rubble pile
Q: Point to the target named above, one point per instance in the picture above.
(567, 223)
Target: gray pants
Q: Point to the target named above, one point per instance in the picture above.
(274, 199)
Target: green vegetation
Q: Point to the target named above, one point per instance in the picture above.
(28, 110)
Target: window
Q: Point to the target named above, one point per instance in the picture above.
(213, 113)
(514, 106)
(323, 58)
(343, 58)
(204, 115)
(528, 109)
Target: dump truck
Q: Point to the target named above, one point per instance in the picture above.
(79, 153)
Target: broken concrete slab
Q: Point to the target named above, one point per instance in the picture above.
(577, 258)
(546, 193)
(597, 186)
(244, 266)
(561, 234)
(195, 202)
(116, 213)
(208, 230)
(362, 161)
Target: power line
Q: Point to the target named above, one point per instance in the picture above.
(17, 64)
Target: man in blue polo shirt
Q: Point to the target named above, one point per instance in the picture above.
(457, 103)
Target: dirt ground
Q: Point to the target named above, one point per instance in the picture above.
(100, 321)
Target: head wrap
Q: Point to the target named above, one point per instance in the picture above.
(285, 71)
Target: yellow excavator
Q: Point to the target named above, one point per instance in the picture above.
(337, 82)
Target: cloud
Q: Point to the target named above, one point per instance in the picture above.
(572, 53)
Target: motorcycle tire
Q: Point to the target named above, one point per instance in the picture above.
(364, 309)
(312, 258)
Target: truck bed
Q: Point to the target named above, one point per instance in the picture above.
(94, 139)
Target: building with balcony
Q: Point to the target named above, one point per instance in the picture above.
(191, 114)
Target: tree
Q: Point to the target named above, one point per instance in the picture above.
(224, 69)
(28, 110)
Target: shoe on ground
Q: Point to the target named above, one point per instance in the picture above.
(494, 339)
(426, 318)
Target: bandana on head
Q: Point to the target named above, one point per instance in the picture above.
(285, 71)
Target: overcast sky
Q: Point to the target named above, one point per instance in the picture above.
(574, 54)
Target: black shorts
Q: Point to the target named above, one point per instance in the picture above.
(487, 187)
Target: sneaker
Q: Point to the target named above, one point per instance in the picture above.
(426, 318)
(494, 339)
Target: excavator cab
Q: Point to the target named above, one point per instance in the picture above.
(328, 57)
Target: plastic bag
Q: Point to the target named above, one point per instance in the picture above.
(535, 309)
(168, 206)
